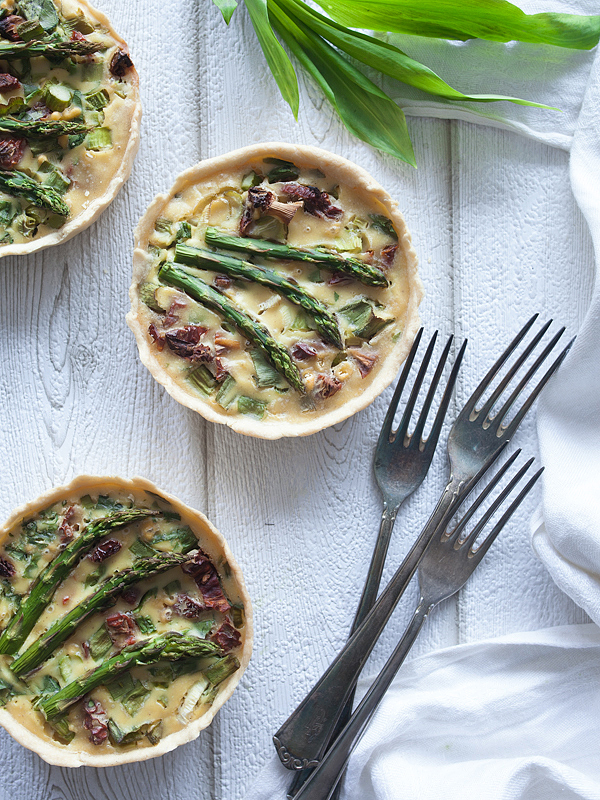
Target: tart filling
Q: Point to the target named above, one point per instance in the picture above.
(125, 623)
(275, 289)
(69, 119)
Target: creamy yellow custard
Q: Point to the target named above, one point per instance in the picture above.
(143, 709)
(71, 177)
(311, 373)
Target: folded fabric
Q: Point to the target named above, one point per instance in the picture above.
(502, 719)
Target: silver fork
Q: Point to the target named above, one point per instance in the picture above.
(400, 465)
(447, 564)
(476, 439)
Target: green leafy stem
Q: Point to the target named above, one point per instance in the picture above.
(319, 42)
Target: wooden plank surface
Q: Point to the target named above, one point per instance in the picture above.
(498, 236)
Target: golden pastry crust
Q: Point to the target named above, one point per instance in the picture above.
(406, 291)
(126, 122)
(213, 543)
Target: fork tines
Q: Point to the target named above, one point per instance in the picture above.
(487, 409)
(468, 541)
(402, 431)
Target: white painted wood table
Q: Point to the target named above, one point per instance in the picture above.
(498, 235)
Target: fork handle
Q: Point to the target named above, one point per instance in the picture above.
(303, 737)
(324, 779)
(366, 603)
(371, 587)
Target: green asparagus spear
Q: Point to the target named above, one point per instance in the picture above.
(18, 184)
(324, 320)
(102, 598)
(42, 128)
(251, 328)
(363, 272)
(44, 586)
(66, 49)
(169, 646)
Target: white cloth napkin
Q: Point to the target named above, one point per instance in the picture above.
(516, 717)
(495, 720)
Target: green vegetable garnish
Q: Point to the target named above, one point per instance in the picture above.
(105, 596)
(251, 328)
(324, 320)
(169, 646)
(333, 261)
(43, 588)
(318, 42)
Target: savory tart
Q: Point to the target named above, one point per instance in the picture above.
(125, 623)
(69, 120)
(275, 289)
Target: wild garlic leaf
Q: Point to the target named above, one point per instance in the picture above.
(496, 20)
(277, 59)
(386, 58)
(226, 7)
(364, 108)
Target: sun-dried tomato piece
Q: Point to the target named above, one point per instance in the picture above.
(172, 316)
(66, 529)
(158, 340)
(120, 629)
(188, 607)
(120, 63)
(7, 568)
(326, 386)
(95, 721)
(303, 351)
(130, 595)
(77, 36)
(365, 361)
(226, 637)
(222, 282)
(185, 342)
(387, 254)
(204, 572)
(8, 82)
(8, 27)
(11, 150)
(105, 550)
(316, 202)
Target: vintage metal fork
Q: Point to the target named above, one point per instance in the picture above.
(400, 465)
(447, 564)
(476, 439)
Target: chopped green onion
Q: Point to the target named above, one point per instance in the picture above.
(57, 96)
(383, 225)
(202, 379)
(267, 376)
(184, 231)
(227, 392)
(100, 643)
(99, 139)
(97, 99)
(56, 180)
(145, 624)
(249, 180)
(248, 405)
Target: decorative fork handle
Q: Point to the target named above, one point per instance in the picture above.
(303, 737)
(366, 603)
(324, 779)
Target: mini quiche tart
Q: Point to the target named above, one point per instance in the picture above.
(69, 120)
(275, 289)
(125, 623)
